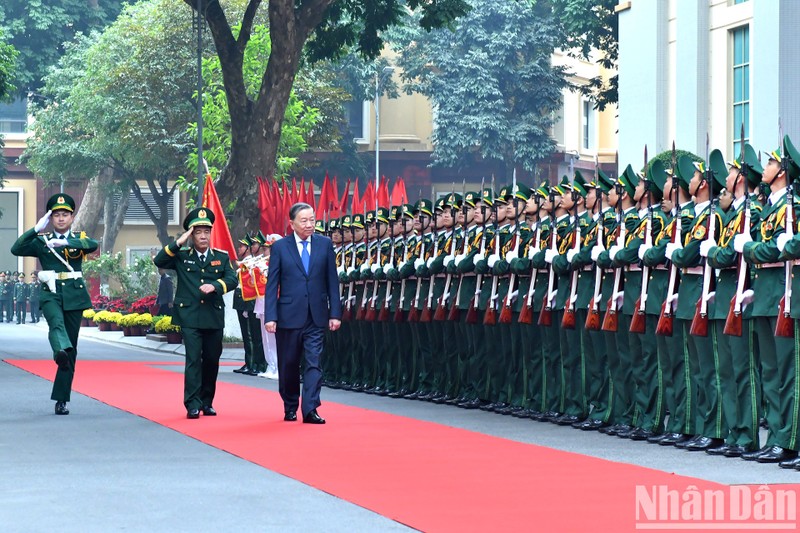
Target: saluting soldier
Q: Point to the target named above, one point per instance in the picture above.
(64, 295)
(204, 274)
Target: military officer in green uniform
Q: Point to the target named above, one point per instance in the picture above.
(21, 298)
(64, 295)
(204, 274)
(6, 297)
(34, 291)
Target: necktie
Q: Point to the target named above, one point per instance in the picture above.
(306, 257)
(202, 258)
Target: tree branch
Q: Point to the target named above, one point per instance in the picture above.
(247, 24)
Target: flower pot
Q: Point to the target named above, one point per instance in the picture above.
(115, 327)
(136, 331)
(174, 337)
(84, 322)
(104, 326)
(91, 323)
(126, 331)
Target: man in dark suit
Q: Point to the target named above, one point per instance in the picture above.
(302, 299)
(204, 275)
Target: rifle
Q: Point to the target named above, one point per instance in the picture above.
(733, 322)
(784, 327)
(413, 313)
(490, 317)
(526, 313)
(347, 314)
(638, 322)
(364, 298)
(666, 318)
(546, 313)
(383, 315)
(699, 325)
(611, 318)
(455, 311)
(426, 316)
(472, 311)
(398, 312)
(593, 318)
(505, 313)
(568, 320)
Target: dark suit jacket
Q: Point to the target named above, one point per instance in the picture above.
(292, 294)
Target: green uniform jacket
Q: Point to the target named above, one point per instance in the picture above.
(192, 308)
(762, 252)
(73, 291)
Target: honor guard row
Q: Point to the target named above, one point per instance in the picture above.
(657, 306)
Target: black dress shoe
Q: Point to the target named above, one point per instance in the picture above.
(704, 443)
(790, 463)
(682, 444)
(641, 434)
(776, 454)
(61, 408)
(193, 413)
(290, 416)
(63, 361)
(250, 372)
(488, 406)
(209, 411)
(441, 399)
(242, 369)
(671, 439)
(735, 451)
(752, 456)
(566, 420)
(656, 439)
(471, 404)
(313, 418)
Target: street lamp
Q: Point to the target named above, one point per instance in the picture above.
(380, 79)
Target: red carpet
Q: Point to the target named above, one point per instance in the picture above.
(428, 476)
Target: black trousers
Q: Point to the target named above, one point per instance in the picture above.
(203, 350)
(295, 346)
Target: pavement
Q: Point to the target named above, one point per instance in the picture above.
(103, 469)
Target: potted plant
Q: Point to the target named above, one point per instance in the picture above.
(88, 318)
(103, 320)
(141, 324)
(114, 318)
(127, 322)
(172, 331)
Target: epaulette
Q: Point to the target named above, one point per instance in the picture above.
(756, 206)
(608, 215)
(220, 250)
(583, 222)
(689, 213)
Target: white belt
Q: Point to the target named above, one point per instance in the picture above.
(69, 275)
(771, 265)
(693, 270)
(633, 268)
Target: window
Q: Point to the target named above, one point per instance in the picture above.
(741, 86)
(136, 213)
(14, 116)
(740, 1)
(357, 114)
(588, 124)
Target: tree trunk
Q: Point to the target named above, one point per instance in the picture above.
(114, 218)
(94, 199)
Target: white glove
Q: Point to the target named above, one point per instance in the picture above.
(672, 247)
(532, 251)
(706, 247)
(429, 262)
(781, 241)
(619, 297)
(387, 268)
(350, 270)
(549, 255)
(613, 251)
(448, 260)
(596, 251)
(477, 259)
(43, 222)
(747, 298)
(244, 314)
(711, 297)
(365, 267)
(459, 258)
(643, 250)
(57, 243)
(375, 268)
(511, 255)
(571, 253)
(494, 258)
(740, 240)
(418, 263)
(673, 301)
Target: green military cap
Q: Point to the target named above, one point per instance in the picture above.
(471, 198)
(334, 224)
(245, 240)
(382, 215)
(487, 196)
(441, 203)
(579, 184)
(20, 276)
(604, 181)
(345, 221)
(657, 175)
(199, 216)
(319, 226)
(370, 219)
(424, 206)
(395, 211)
(504, 195)
(61, 201)
(719, 170)
(752, 166)
(562, 187)
(358, 221)
(685, 170)
(629, 180)
(454, 200)
(522, 192)
(408, 211)
(543, 191)
(258, 238)
(793, 155)
(580, 180)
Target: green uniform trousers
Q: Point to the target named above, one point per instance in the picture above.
(203, 350)
(64, 327)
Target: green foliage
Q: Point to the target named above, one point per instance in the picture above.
(38, 29)
(131, 283)
(591, 26)
(493, 88)
(666, 157)
(8, 60)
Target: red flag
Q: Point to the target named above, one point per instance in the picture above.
(399, 195)
(319, 211)
(368, 199)
(310, 196)
(383, 192)
(355, 207)
(301, 196)
(294, 191)
(220, 233)
(264, 205)
(341, 208)
(275, 209)
(286, 203)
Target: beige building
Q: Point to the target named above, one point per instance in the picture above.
(582, 134)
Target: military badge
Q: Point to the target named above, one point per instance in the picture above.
(699, 232)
